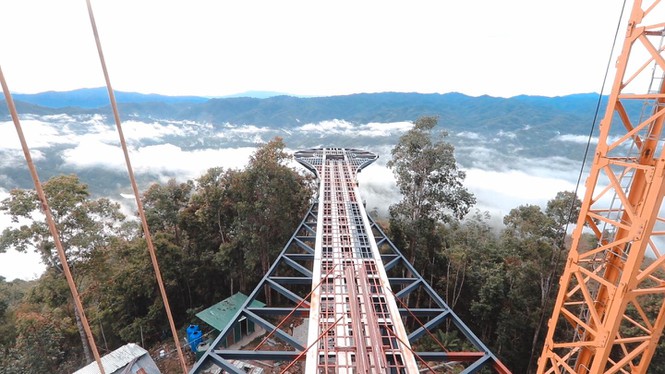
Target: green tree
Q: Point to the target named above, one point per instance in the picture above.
(163, 205)
(472, 275)
(5, 326)
(529, 245)
(208, 222)
(430, 182)
(210, 213)
(272, 198)
(130, 302)
(563, 209)
(468, 245)
(83, 224)
(11, 295)
(42, 343)
(534, 241)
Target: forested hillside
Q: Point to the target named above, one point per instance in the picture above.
(208, 241)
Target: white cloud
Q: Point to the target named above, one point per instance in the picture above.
(581, 139)
(162, 158)
(506, 134)
(341, 127)
(92, 153)
(15, 264)
(389, 126)
(38, 134)
(63, 117)
(133, 131)
(500, 191)
(551, 167)
(37, 155)
(48, 131)
(13, 157)
(335, 126)
(496, 191)
(244, 129)
(469, 135)
(246, 134)
(167, 157)
(377, 188)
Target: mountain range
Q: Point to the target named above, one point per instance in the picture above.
(456, 111)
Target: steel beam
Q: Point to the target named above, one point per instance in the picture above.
(355, 322)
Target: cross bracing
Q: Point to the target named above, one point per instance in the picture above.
(341, 274)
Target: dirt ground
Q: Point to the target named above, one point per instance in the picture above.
(170, 364)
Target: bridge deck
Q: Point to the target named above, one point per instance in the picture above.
(341, 278)
(359, 326)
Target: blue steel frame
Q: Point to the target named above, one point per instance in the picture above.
(299, 250)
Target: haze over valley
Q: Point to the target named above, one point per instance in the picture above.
(515, 151)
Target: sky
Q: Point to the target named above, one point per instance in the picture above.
(215, 48)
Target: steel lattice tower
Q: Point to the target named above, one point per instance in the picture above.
(610, 310)
(341, 272)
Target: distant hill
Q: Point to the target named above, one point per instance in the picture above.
(456, 111)
(98, 97)
(89, 98)
(257, 94)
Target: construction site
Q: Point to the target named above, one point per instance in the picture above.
(341, 297)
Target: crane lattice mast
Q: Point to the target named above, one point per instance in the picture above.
(610, 309)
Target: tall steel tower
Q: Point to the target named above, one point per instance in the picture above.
(342, 276)
(610, 310)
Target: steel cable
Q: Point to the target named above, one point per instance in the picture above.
(139, 204)
(51, 224)
(584, 160)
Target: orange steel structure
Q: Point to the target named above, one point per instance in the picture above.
(610, 309)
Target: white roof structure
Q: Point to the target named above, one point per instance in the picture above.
(115, 360)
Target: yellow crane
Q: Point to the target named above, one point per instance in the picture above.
(610, 309)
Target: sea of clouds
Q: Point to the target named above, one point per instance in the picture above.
(186, 149)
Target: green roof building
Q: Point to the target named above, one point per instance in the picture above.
(222, 313)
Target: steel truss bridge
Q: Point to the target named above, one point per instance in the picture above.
(341, 273)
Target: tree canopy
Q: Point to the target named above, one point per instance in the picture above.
(431, 185)
(214, 236)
